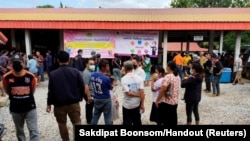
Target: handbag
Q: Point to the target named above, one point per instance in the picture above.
(168, 91)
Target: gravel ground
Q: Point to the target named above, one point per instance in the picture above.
(231, 107)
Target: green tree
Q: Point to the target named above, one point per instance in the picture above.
(200, 3)
(241, 3)
(230, 37)
(45, 6)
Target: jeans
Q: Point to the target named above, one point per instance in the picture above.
(102, 106)
(41, 72)
(61, 112)
(192, 108)
(30, 118)
(117, 73)
(179, 68)
(216, 85)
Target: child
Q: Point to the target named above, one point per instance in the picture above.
(114, 97)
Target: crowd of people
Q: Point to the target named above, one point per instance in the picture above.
(93, 80)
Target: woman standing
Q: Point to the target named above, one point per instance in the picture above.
(155, 88)
(169, 102)
(192, 96)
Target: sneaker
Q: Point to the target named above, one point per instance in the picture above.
(207, 91)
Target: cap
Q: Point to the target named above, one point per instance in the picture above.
(195, 56)
(17, 58)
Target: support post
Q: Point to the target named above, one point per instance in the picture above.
(211, 41)
(61, 40)
(27, 42)
(13, 38)
(237, 46)
(221, 41)
(165, 42)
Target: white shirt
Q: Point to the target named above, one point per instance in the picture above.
(157, 86)
(131, 82)
(238, 63)
(140, 72)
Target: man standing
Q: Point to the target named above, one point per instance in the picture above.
(102, 100)
(48, 62)
(179, 62)
(133, 101)
(90, 67)
(65, 91)
(79, 62)
(217, 71)
(208, 69)
(238, 66)
(40, 60)
(20, 86)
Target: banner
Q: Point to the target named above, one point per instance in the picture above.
(109, 42)
(137, 42)
(102, 42)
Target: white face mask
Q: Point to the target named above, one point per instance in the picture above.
(92, 67)
(191, 72)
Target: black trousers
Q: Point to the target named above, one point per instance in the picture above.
(208, 82)
(89, 111)
(131, 116)
(168, 114)
(192, 108)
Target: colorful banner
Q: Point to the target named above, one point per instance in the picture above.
(137, 42)
(102, 42)
(109, 42)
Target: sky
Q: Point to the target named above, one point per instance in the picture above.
(87, 3)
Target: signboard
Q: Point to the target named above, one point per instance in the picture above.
(137, 42)
(102, 42)
(198, 38)
(109, 42)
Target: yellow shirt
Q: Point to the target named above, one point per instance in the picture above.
(202, 60)
(186, 59)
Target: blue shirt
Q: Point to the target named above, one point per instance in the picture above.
(101, 85)
(32, 65)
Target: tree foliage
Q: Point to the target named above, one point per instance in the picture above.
(209, 3)
(230, 37)
(45, 6)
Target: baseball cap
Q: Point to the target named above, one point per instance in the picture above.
(17, 58)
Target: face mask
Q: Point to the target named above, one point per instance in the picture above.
(17, 66)
(92, 67)
(191, 72)
(135, 66)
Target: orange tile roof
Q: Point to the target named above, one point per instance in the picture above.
(127, 19)
(127, 15)
(3, 38)
(176, 46)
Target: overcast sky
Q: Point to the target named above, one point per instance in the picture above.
(87, 3)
